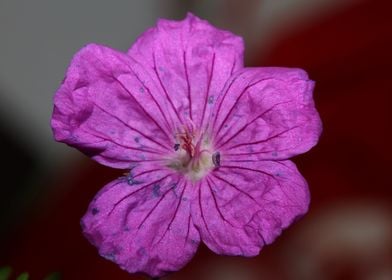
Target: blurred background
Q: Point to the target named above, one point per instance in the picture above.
(344, 45)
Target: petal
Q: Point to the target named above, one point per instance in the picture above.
(266, 114)
(191, 60)
(243, 205)
(106, 109)
(145, 226)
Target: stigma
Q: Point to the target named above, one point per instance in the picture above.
(193, 154)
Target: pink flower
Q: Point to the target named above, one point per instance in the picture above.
(206, 142)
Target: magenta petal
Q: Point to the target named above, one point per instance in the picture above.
(266, 114)
(145, 226)
(105, 109)
(244, 205)
(192, 60)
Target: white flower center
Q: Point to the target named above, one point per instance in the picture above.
(193, 155)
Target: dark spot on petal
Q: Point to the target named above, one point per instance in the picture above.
(274, 154)
(141, 90)
(141, 156)
(94, 211)
(156, 190)
(130, 180)
(176, 147)
(173, 187)
(137, 139)
(210, 99)
(141, 252)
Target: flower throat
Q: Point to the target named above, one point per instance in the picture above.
(193, 155)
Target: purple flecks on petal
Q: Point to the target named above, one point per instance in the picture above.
(94, 211)
(266, 113)
(208, 98)
(156, 233)
(131, 181)
(242, 207)
(156, 190)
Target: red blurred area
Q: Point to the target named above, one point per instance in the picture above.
(349, 55)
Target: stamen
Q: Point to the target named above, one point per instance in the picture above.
(188, 145)
(193, 154)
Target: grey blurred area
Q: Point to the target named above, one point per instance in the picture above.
(37, 41)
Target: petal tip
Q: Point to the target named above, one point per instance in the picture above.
(189, 18)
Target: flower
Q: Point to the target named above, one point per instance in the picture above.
(205, 140)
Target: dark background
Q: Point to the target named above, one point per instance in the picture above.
(345, 46)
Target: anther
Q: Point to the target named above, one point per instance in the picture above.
(216, 159)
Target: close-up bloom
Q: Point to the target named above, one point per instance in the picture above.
(204, 140)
